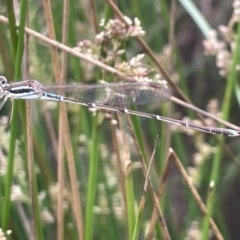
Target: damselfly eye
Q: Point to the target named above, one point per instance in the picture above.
(3, 80)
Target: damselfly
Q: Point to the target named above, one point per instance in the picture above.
(108, 96)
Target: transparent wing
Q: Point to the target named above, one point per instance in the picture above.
(114, 94)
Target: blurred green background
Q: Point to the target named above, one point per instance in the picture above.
(71, 173)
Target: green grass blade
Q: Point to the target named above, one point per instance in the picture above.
(92, 179)
(197, 16)
(17, 55)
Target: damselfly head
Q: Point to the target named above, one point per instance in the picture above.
(3, 80)
(3, 84)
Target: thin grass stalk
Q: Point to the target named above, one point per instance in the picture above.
(130, 199)
(5, 58)
(9, 175)
(151, 191)
(27, 124)
(60, 151)
(128, 178)
(65, 26)
(61, 177)
(112, 232)
(162, 221)
(51, 131)
(195, 194)
(39, 154)
(143, 198)
(139, 217)
(121, 174)
(165, 138)
(139, 136)
(94, 150)
(161, 188)
(12, 26)
(225, 110)
(92, 179)
(31, 171)
(77, 211)
(38, 220)
(51, 33)
(17, 46)
(93, 16)
(166, 135)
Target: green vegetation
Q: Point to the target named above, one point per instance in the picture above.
(69, 172)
